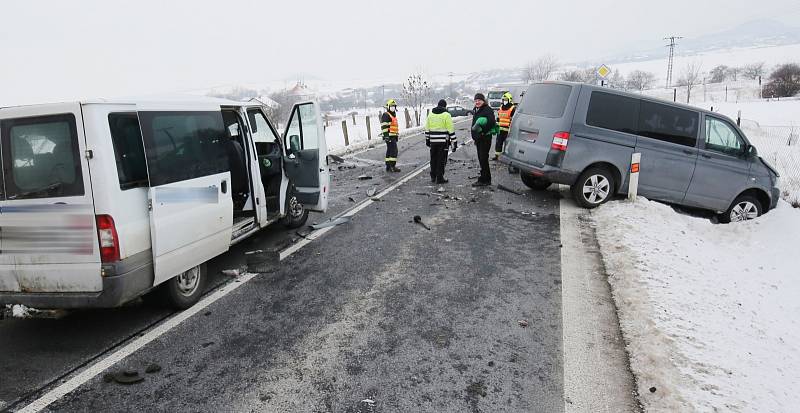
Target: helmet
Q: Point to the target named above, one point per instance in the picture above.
(391, 102)
(508, 96)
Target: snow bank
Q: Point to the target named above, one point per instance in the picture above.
(709, 312)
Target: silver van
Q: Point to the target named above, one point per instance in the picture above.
(583, 136)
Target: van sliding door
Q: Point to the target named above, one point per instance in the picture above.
(191, 209)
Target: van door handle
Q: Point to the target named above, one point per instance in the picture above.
(224, 187)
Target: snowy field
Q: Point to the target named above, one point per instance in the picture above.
(709, 312)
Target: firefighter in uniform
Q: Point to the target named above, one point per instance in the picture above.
(438, 133)
(504, 115)
(390, 132)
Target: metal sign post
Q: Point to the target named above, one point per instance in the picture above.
(633, 182)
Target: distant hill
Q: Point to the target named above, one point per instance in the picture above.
(756, 33)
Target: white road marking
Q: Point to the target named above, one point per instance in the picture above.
(117, 356)
(172, 322)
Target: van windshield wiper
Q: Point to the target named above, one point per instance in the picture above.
(51, 187)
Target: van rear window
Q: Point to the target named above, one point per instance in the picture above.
(546, 99)
(41, 157)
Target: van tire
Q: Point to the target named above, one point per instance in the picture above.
(535, 183)
(743, 205)
(296, 214)
(181, 292)
(595, 177)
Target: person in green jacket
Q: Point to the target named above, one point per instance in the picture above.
(439, 131)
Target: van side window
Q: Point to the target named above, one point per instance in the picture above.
(126, 137)
(183, 145)
(721, 137)
(615, 112)
(41, 157)
(668, 124)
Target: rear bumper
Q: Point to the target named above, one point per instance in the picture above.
(123, 281)
(549, 173)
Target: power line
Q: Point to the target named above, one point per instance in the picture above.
(671, 46)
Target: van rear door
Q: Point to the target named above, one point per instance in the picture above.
(191, 208)
(48, 231)
(545, 110)
(307, 156)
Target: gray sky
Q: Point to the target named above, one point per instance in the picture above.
(58, 50)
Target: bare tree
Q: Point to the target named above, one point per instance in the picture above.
(733, 73)
(754, 70)
(540, 69)
(784, 81)
(690, 78)
(617, 80)
(641, 80)
(587, 75)
(416, 91)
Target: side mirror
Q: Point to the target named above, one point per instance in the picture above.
(751, 151)
(294, 143)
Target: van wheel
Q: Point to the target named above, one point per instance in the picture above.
(743, 208)
(535, 183)
(296, 213)
(185, 289)
(594, 187)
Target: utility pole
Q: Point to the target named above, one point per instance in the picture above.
(671, 46)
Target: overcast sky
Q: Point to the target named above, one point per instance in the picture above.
(59, 50)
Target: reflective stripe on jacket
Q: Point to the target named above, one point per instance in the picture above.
(504, 118)
(439, 127)
(389, 127)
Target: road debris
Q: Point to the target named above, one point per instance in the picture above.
(440, 189)
(335, 159)
(364, 177)
(124, 377)
(371, 192)
(331, 223)
(231, 273)
(418, 220)
(152, 368)
(507, 189)
(350, 198)
(523, 323)
(260, 261)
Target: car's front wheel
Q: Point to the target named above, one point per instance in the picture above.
(743, 208)
(594, 187)
(535, 183)
(296, 213)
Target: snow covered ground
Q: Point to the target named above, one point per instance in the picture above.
(709, 312)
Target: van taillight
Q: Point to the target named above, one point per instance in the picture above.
(560, 141)
(109, 241)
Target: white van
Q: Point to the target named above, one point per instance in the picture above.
(104, 201)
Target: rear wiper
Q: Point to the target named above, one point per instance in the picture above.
(48, 188)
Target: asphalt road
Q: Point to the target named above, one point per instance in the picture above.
(379, 315)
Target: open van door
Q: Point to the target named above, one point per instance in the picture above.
(191, 208)
(307, 156)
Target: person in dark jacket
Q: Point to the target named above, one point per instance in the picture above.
(483, 126)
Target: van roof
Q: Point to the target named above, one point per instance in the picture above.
(153, 101)
(635, 96)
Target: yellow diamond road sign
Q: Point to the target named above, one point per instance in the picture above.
(603, 71)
